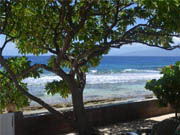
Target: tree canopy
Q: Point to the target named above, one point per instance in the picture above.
(78, 33)
(167, 12)
(90, 24)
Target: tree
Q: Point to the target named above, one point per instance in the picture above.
(9, 94)
(167, 88)
(7, 25)
(167, 12)
(78, 33)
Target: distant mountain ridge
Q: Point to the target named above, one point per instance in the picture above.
(153, 52)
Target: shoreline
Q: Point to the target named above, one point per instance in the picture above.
(89, 103)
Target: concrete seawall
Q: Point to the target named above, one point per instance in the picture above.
(46, 124)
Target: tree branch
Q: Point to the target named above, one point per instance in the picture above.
(93, 53)
(24, 92)
(48, 49)
(152, 45)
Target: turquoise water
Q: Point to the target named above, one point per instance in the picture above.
(115, 77)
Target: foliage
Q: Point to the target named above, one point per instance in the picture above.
(167, 88)
(78, 33)
(42, 26)
(19, 65)
(59, 87)
(9, 94)
(167, 13)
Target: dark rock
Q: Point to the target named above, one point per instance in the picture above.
(165, 127)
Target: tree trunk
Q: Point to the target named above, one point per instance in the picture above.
(81, 119)
(176, 117)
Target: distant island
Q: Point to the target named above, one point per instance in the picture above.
(137, 50)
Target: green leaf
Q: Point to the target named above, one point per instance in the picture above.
(167, 88)
(58, 87)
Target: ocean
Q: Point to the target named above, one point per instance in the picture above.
(115, 77)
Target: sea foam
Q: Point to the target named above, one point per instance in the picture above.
(121, 77)
(99, 78)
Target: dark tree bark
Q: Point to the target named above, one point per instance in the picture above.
(83, 125)
(80, 114)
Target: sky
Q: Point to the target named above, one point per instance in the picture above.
(126, 50)
(142, 50)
